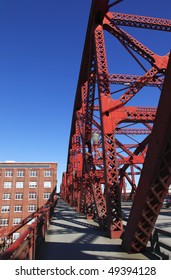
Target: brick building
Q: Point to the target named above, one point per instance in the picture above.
(23, 188)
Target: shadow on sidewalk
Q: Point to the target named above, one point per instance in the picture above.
(71, 236)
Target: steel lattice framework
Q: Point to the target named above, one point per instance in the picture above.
(113, 140)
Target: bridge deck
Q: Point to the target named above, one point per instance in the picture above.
(71, 236)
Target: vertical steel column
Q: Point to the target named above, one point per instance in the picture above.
(112, 190)
(155, 178)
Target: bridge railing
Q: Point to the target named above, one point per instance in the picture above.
(26, 246)
(158, 244)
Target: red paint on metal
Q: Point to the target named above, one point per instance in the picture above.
(153, 185)
(108, 163)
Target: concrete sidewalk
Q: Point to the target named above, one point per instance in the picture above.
(71, 236)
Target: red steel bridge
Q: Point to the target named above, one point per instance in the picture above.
(117, 141)
(115, 138)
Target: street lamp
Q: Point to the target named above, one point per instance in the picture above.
(95, 138)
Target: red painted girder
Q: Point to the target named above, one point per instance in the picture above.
(125, 113)
(155, 179)
(89, 100)
(75, 156)
(160, 62)
(112, 190)
(132, 131)
(114, 114)
(87, 116)
(141, 21)
(127, 80)
(140, 148)
(89, 198)
(99, 200)
(134, 159)
(128, 146)
(97, 13)
(82, 195)
(137, 86)
(132, 182)
(131, 160)
(94, 187)
(124, 148)
(128, 131)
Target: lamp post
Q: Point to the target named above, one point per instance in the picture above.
(95, 139)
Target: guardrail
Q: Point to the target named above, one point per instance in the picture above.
(157, 244)
(27, 245)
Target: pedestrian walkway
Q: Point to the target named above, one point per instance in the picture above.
(71, 236)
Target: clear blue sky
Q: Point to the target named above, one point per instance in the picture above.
(41, 44)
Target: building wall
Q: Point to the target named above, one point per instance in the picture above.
(31, 185)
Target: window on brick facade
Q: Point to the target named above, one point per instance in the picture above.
(47, 173)
(6, 196)
(32, 195)
(32, 184)
(7, 185)
(19, 185)
(31, 208)
(47, 184)
(5, 208)
(18, 208)
(46, 195)
(19, 196)
(20, 173)
(16, 221)
(33, 173)
(8, 173)
(4, 222)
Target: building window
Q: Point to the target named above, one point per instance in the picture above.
(46, 195)
(18, 208)
(6, 196)
(32, 184)
(5, 209)
(7, 185)
(16, 221)
(33, 173)
(32, 195)
(8, 173)
(19, 196)
(20, 173)
(19, 185)
(32, 208)
(4, 222)
(47, 173)
(47, 184)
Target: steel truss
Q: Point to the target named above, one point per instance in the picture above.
(111, 135)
